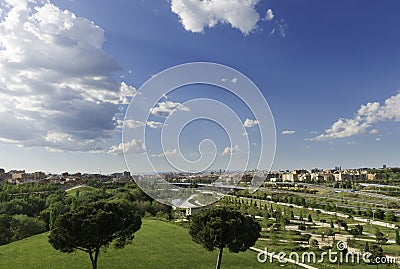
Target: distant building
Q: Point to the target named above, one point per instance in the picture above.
(38, 176)
(328, 177)
(296, 175)
(289, 177)
(18, 174)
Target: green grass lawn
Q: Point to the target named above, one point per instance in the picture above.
(81, 189)
(157, 244)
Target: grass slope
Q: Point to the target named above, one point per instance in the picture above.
(81, 189)
(157, 245)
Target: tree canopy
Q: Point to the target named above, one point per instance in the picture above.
(94, 226)
(221, 227)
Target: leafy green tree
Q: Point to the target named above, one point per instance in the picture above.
(390, 216)
(380, 237)
(330, 232)
(397, 237)
(220, 227)
(94, 226)
(5, 229)
(376, 251)
(24, 226)
(314, 245)
(273, 234)
(366, 248)
(302, 226)
(318, 213)
(309, 219)
(380, 214)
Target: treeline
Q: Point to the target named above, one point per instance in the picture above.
(20, 210)
(388, 175)
(30, 209)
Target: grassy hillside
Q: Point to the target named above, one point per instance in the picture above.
(81, 189)
(157, 245)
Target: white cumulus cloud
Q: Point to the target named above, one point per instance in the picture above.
(133, 146)
(269, 15)
(195, 15)
(163, 109)
(57, 88)
(128, 123)
(288, 132)
(366, 116)
(154, 124)
(250, 123)
(231, 150)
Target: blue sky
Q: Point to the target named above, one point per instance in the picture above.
(69, 67)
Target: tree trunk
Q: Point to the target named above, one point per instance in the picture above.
(96, 255)
(93, 260)
(219, 258)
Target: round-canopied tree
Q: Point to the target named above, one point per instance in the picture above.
(223, 227)
(94, 226)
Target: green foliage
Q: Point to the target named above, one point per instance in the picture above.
(390, 216)
(17, 227)
(94, 226)
(5, 229)
(357, 230)
(220, 227)
(380, 237)
(376, 251)
(24, 226)
(302, 226)
(314, 245)
(366, 248)
(380, 214)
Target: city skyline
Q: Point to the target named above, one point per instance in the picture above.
(329, 71)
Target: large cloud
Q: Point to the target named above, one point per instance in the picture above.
(56, 86)
(364, 119)
(230, 150)
(195, 15)
(133, 146)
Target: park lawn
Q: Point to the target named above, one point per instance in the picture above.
(81, 189)
(158, 244)
(388, 232)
